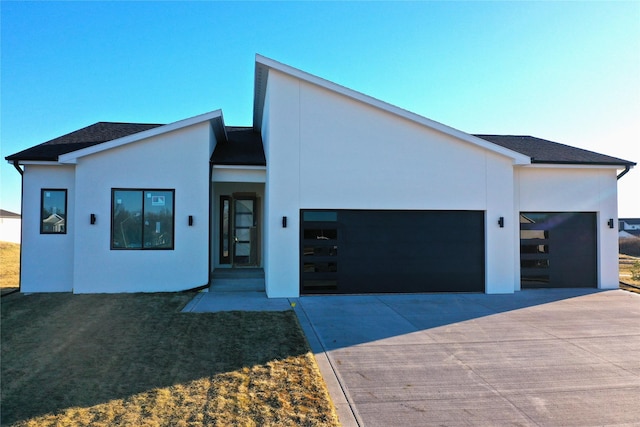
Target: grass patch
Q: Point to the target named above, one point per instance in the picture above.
(134, 359)
(9, 265)
(628, 265)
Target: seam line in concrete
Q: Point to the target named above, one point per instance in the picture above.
(486, 383)
(352, 409)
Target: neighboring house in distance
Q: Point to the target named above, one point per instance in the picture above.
(330, 191)
(10, 223)
(629, 227)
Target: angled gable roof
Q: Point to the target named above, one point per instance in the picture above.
(86, 137)
(214, 117)
(105, 135)
(522, 149)
(544, 151)
(264, 64)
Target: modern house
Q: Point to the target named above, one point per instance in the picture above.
(330, 191)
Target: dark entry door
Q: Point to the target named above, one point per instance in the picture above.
(558, 250)
(245, 223)
(239, 231)
(378, 251)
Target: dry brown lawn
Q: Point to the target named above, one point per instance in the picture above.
(9, 265)
(626, 265)
(135, 360)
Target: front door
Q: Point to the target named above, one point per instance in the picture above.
(245, 223)
(239, 230)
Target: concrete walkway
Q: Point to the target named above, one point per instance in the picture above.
(566, 357)
(534, 358)
(209, 302)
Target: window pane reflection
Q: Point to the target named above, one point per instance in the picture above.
(142, 219)
(53, 212)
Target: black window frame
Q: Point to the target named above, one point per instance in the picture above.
(143, 191)
(42, 193)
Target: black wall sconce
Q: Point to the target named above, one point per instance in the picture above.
(190, 220)
(92, 219)
(284, 222)
(610, 223)
(501, 222)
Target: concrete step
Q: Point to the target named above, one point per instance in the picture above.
(237, 280)
(238, 273)
(238, 285)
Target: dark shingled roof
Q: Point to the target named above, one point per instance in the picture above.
(543, 151)
(86, 137)
(243, 147)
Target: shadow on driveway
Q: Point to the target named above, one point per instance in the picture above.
(536, 357)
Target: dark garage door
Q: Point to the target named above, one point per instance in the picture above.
(375, 251)
(558, 249)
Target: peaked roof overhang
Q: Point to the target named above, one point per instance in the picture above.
(97, 133)
(214, 117)
(542, 151)
(264, 65)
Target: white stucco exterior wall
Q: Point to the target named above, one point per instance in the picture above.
(176, 160)
(47, 259)
(577, 189)
(502, 244)
(282, 189)
(327, 151)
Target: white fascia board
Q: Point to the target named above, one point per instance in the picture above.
(218, 127)
(263, 64)
(35, 162)
(571, 166)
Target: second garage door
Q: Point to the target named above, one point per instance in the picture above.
(558, 250)
(380, 251)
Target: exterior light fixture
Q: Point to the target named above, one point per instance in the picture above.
(92, 219)
(284, 222)
(501, 222)
(610, 222)
(190, 220)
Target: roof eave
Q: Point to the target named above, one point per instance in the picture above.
(263, 64)
(577, 163)
(33, 162)
(215, 117)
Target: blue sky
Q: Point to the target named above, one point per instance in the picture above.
(564, 71)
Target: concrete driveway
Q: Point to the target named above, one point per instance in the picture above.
(533, 358)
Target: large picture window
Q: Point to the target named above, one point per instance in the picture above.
(142, 219)
(53, 211)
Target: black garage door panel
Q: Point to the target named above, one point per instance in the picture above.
(408, 251)
(558, 249)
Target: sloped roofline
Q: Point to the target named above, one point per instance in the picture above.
(215, 117)
(264, 64)
(9, 214)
